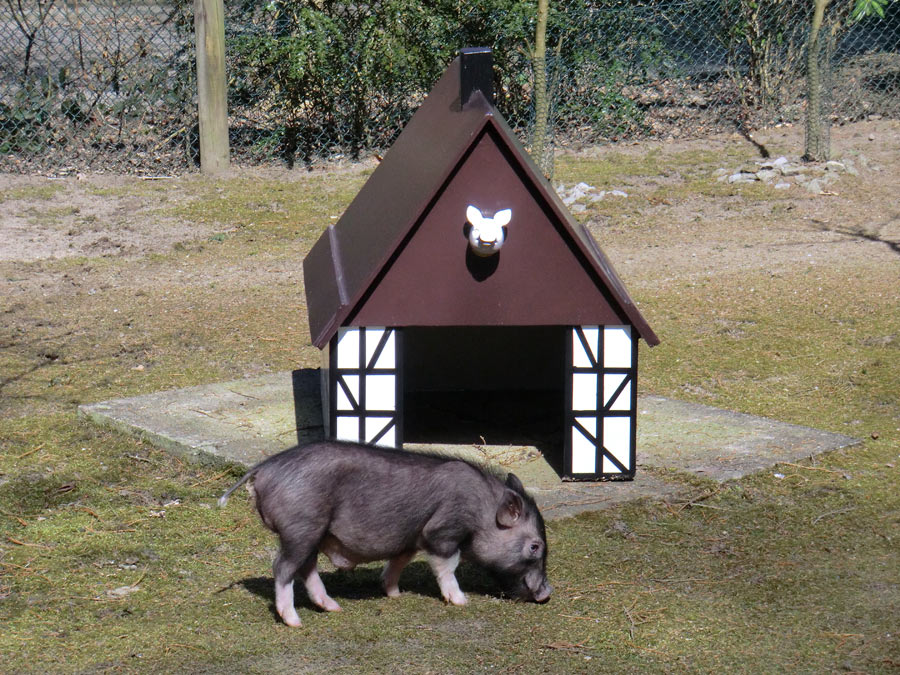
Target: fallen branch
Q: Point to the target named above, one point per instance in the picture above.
(30, 452)
(13, 515)
(832, 513)
(812, 468)
(210, 480)
(141, 459)
(25, 543)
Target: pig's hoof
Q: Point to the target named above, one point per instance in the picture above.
(328, 604)
(290, 617)
(392, 591)
(458, 599)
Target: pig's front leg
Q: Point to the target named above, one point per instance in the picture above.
(390, 577)
(444, 569)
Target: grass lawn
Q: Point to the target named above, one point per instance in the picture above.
(778, 303)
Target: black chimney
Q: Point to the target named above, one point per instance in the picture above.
(476, 66)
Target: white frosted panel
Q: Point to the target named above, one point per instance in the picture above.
(611, 382)
(380, 392)
(373, 336)
(343, 403)
(374, 426)
(352, 382)
(617, 440)
(347, 429)
(348, 348)
(387, 359)
(388, 440)
(584, 391)
(617, 346)
(580, 358)
(584, 452)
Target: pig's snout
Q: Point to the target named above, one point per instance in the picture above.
(543, 593)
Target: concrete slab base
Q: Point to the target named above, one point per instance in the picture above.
(243, 421)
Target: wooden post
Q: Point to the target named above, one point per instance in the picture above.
(209, 33)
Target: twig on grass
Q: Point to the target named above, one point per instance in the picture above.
(89, 512)
(812, 468)
(30, 452)
(647, 649)
(832, 513)
(696, 501)
(26, 570)
(582, 502)
(25, 543)
(210, 562)
(13, 515)
(210, 480)
(578, 648)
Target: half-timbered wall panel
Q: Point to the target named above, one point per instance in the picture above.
(365, 381)
(601, 397)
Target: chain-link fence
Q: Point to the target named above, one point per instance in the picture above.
(104, 84)
(109, 84)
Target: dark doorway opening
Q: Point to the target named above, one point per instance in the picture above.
(493, 385)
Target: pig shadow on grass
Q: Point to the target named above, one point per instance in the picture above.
(364, 583)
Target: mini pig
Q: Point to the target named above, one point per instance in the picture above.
(359, 503)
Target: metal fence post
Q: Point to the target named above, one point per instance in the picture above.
(209, 33)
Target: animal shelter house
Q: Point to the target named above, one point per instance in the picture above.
(458, 301)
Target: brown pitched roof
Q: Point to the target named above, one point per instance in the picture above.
(370, 244)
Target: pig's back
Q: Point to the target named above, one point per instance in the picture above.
(376, 502)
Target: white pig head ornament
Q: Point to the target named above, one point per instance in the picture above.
(487, 235)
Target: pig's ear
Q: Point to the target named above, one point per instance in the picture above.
(513, 483)
(473, 215)
(503, 217)
(510, 510)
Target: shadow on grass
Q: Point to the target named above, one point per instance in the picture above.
(364, 583)
(872, 233)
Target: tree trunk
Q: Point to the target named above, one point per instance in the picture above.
(817, 145)
(539, 150)
(212, 93)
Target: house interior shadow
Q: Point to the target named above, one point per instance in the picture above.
(485, 385)
(497, 418)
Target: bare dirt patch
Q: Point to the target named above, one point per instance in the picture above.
(703, 227)
(48, 218)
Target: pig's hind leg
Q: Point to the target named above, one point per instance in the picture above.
(315, 589)
(287, 562)
(390, 577)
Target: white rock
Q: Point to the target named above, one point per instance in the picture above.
(782, 186)
(781, 161)
(742, 178)
(814, 186)
(617, 193)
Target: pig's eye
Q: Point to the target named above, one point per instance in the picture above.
(535, 548)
